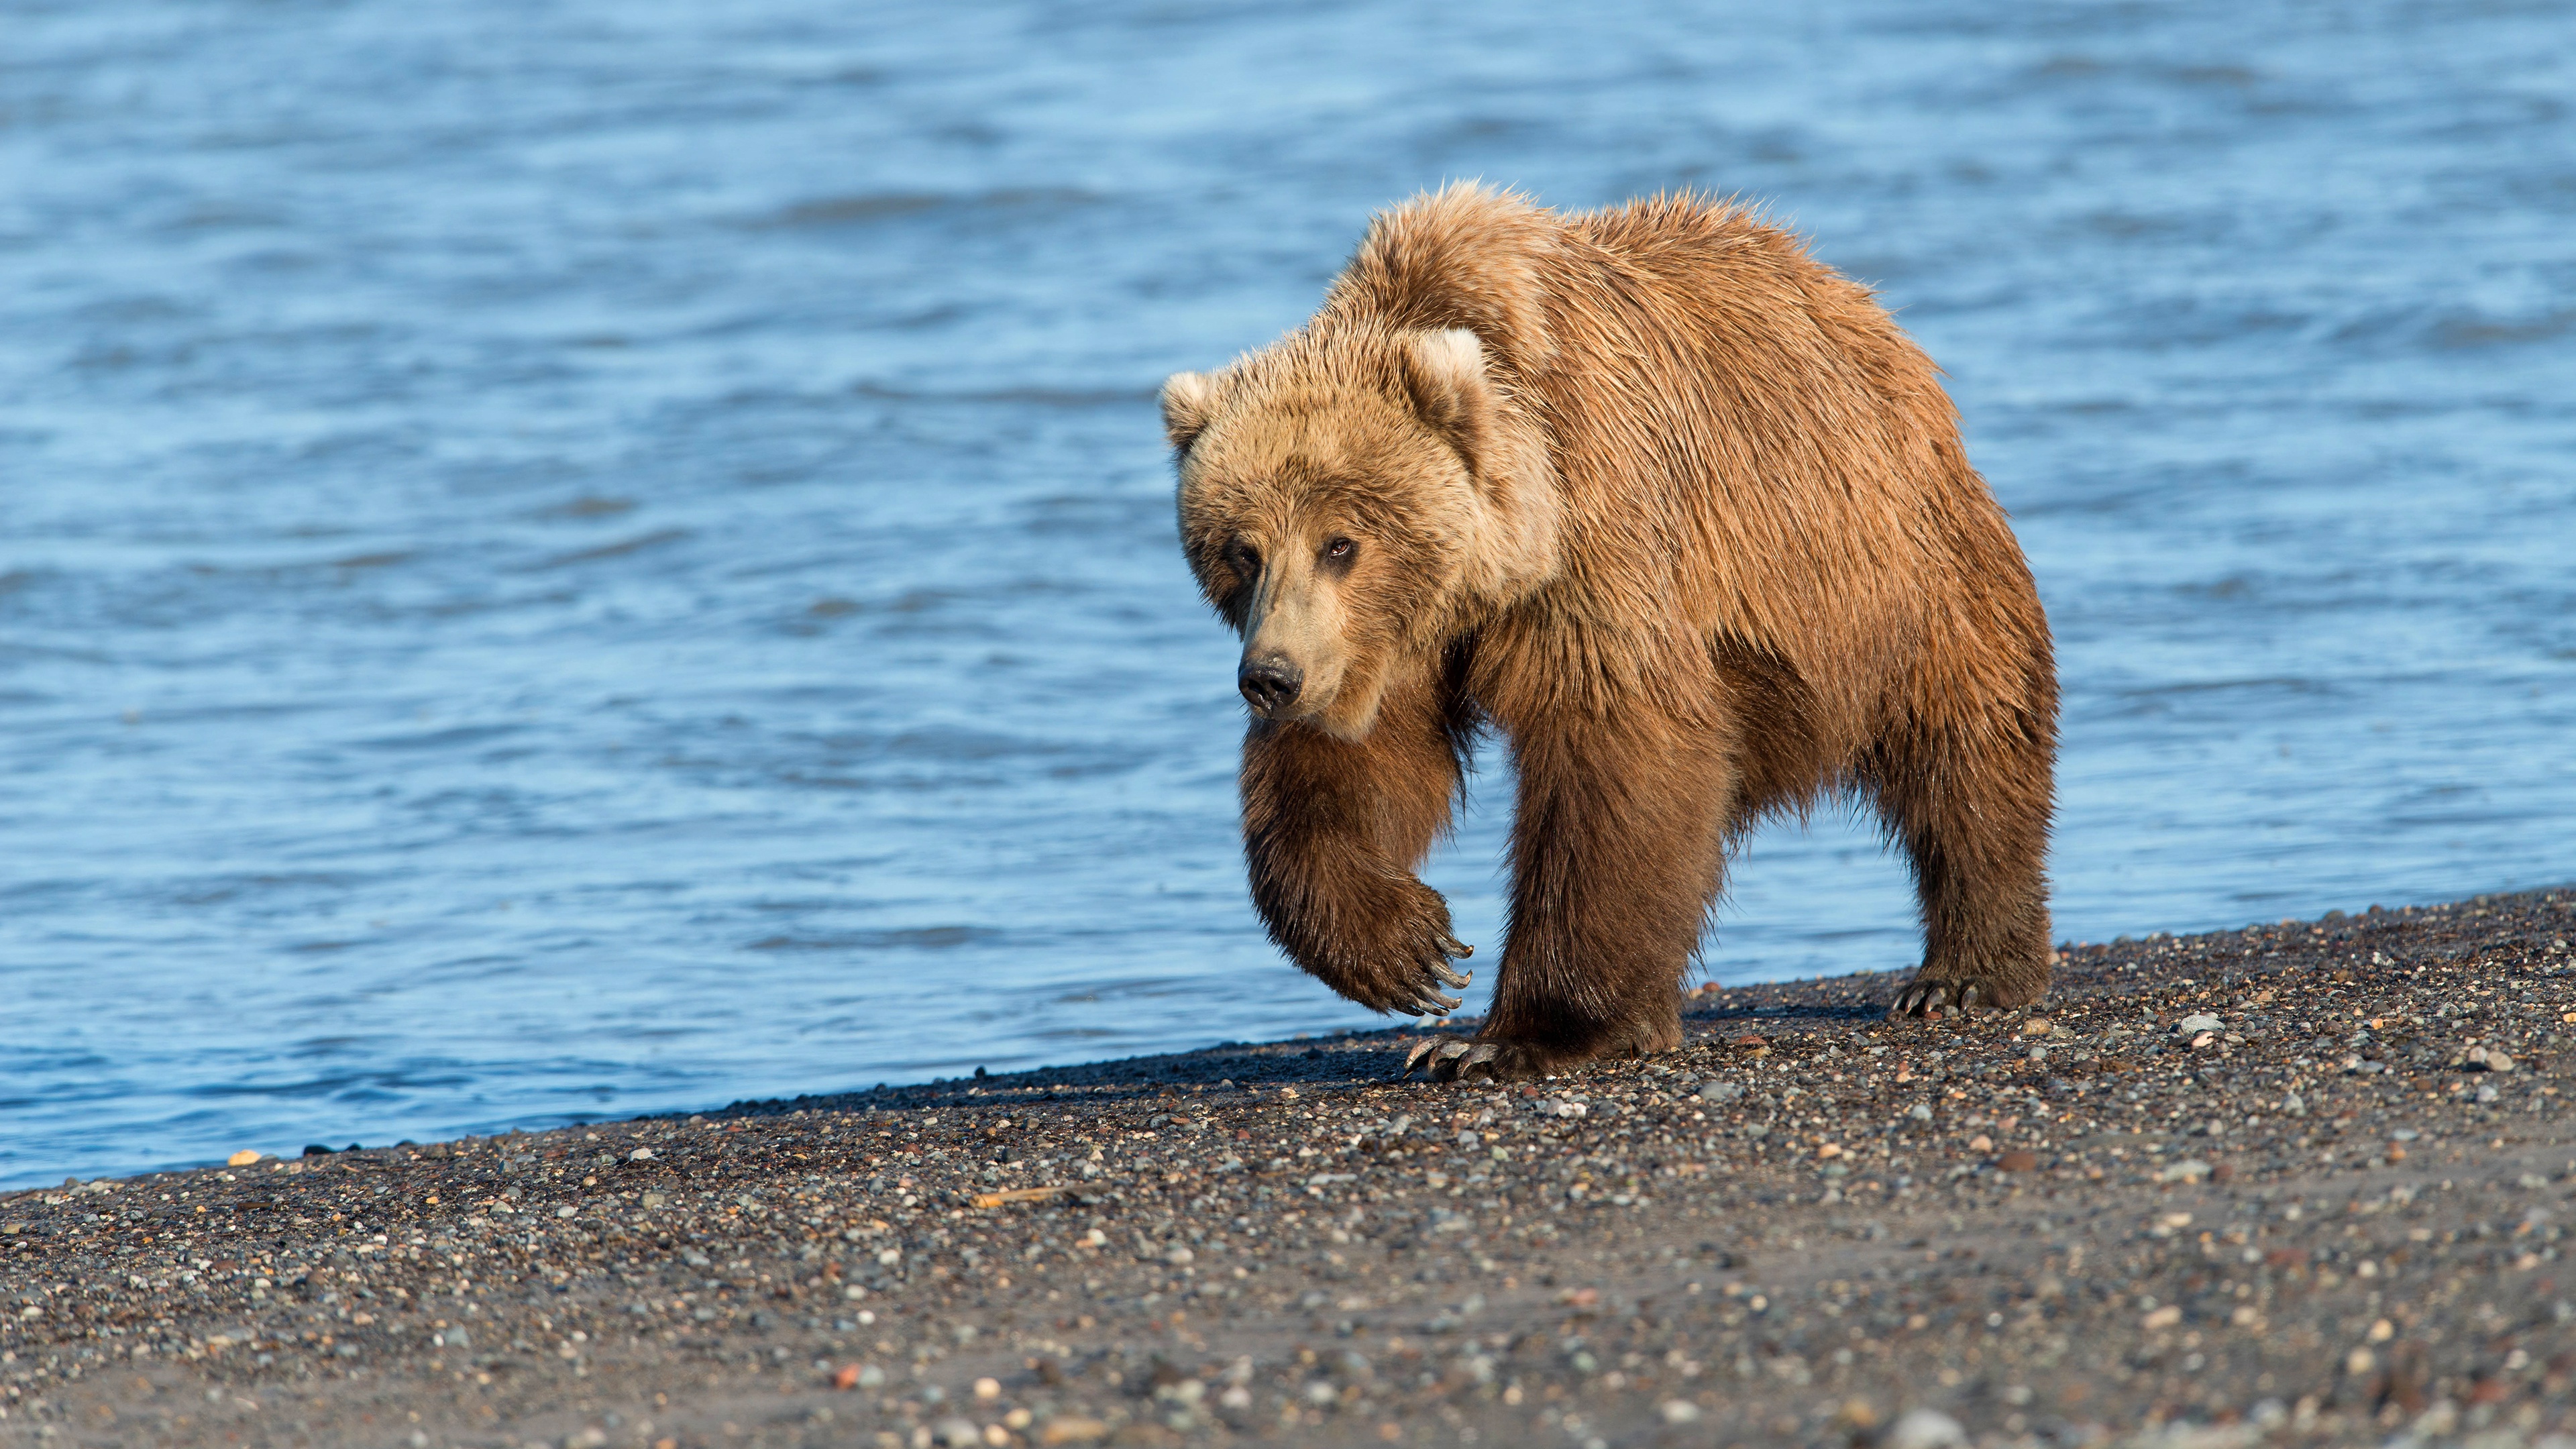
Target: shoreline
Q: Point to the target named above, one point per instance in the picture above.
(2335, 1211)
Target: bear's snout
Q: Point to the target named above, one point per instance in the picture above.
(1270, 683)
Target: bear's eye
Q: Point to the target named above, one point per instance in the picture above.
(1243, 559)
(1340, 550)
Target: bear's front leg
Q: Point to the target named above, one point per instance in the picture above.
(1332, 832)
(1616, 853)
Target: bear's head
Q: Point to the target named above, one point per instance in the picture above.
(1350, 501)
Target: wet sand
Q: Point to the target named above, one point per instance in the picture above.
(2333, 1213)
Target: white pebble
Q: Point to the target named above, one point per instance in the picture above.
(1924, 1429)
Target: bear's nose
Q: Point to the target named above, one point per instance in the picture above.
(1270, 684)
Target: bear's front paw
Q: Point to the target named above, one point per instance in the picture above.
(1458, 1059)
(1927, 995)
(1400, 957)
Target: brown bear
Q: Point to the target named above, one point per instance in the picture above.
(1680, 512)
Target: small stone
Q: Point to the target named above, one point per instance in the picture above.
(2165, 1317)
(2038, 1026)
(1715, 1091)
(2018, 1161)
(2197, 1023)
(2187, 1170)
(988, 1388)
(1924, 1429)
(1179, 1255)
(243, 1158)
(567, 1210)
(1920, 1112)
(2488, 1059)
(847, 1378)
(640, 1154)
(1680, 1411)
(1981, 1143)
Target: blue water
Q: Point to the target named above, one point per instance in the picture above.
(580, 558)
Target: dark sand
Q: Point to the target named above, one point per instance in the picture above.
(2320, 1221)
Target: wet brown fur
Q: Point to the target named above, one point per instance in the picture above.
(1701, 541)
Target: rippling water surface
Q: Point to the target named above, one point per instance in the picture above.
(582, 558)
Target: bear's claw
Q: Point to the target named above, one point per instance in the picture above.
(1926, 998)
(1975, 993)
(1435, 1004)
(1451, 1059)
(1450, 1056)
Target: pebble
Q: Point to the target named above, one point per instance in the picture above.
(1924, 1429)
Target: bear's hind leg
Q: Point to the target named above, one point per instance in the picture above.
(1972, 807)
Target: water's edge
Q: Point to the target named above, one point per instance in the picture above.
(1882, 984)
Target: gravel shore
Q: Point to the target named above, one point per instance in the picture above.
(2305, 1183)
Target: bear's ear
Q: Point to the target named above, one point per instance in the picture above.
(1444, 374)
(1189, 403)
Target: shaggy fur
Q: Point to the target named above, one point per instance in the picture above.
(1682, 514)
